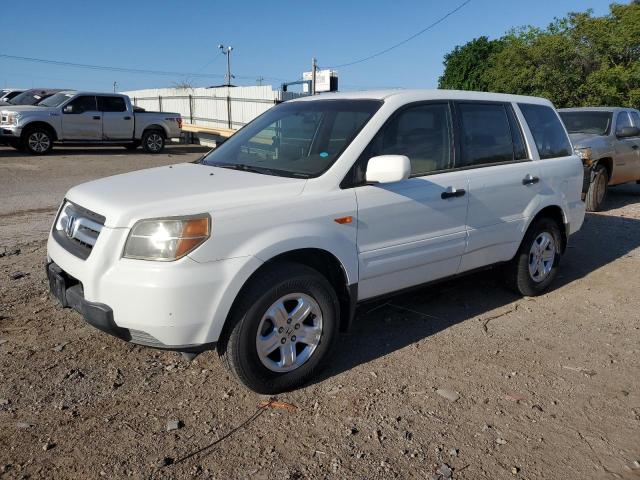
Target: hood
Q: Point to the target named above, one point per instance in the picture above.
(23, 108)
(182, 189)
(585, 139)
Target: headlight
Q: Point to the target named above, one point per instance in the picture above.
(585, 155)
(167, 239)
(10, 118)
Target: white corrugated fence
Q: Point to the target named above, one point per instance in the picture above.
(219, 107)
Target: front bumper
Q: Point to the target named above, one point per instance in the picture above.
(69, 293)
(181, 305)
(10, 132)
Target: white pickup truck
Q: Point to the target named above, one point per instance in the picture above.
(265, 246)
(86, 118)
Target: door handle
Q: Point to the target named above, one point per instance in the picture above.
(127, 118)
(451, 192)
(96, 117)
(530, 179)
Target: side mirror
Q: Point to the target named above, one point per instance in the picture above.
(625, 132)
(388, 169)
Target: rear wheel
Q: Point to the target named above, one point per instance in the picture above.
(38, 141)
(153, 141)
(536, 264)
(597, 192)
(283, 327)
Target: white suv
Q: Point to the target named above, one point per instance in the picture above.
(264, 247)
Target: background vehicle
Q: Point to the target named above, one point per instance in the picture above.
(30, 97)
(7, 94)
(608, 139)
(86, 118)
(265, 246)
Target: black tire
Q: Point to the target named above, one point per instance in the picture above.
(153, 141)
(518, 275)
(132, 146)
(37, 140)
(238, 344)
(597, 192)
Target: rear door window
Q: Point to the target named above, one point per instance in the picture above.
(635, 118)
(547, 130)
(485, 134)
(112, 104)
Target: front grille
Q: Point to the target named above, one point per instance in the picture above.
(77, 229)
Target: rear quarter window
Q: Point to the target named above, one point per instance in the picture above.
(547, 130)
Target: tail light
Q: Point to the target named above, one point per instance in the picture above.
(179, 120)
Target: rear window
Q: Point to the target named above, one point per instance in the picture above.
(547, 130)
(485, 134)
(112, 104)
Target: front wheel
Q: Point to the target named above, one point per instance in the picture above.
(536, 264)
(38, 141)
(153, 141)
(283, 327)
(597, 192)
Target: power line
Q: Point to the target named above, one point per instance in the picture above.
(381, 52)
(125, 69)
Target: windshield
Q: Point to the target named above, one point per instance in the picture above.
(55, 100)
(597, 123)
(28, 98)
(297, 139)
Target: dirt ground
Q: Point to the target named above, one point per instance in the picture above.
(463, 375)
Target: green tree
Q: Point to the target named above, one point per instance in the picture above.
(465, 65)
(578, 60)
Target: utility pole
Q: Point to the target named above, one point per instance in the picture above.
(227, 51)
(314, 66)
(115, 84)
(259, 80)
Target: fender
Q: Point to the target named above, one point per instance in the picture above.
(40, 122)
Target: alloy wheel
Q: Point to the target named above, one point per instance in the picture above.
(39, 142)
(289, 332)
(542, 257)
(154, 142)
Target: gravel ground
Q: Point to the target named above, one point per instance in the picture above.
(459, 380)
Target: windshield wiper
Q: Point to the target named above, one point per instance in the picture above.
(244, 168)
(262, 170)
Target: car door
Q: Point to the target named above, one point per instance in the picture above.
(625, 165)
(503, 181)
(117, 122)
(635, 119)
(81, 120)
(412, 231)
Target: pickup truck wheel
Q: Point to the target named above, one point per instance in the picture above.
(536, 264)
(597, 192)
(38, 141)
(153, 141)
(283, 326)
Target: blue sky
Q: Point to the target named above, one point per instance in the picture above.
(273, 39)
